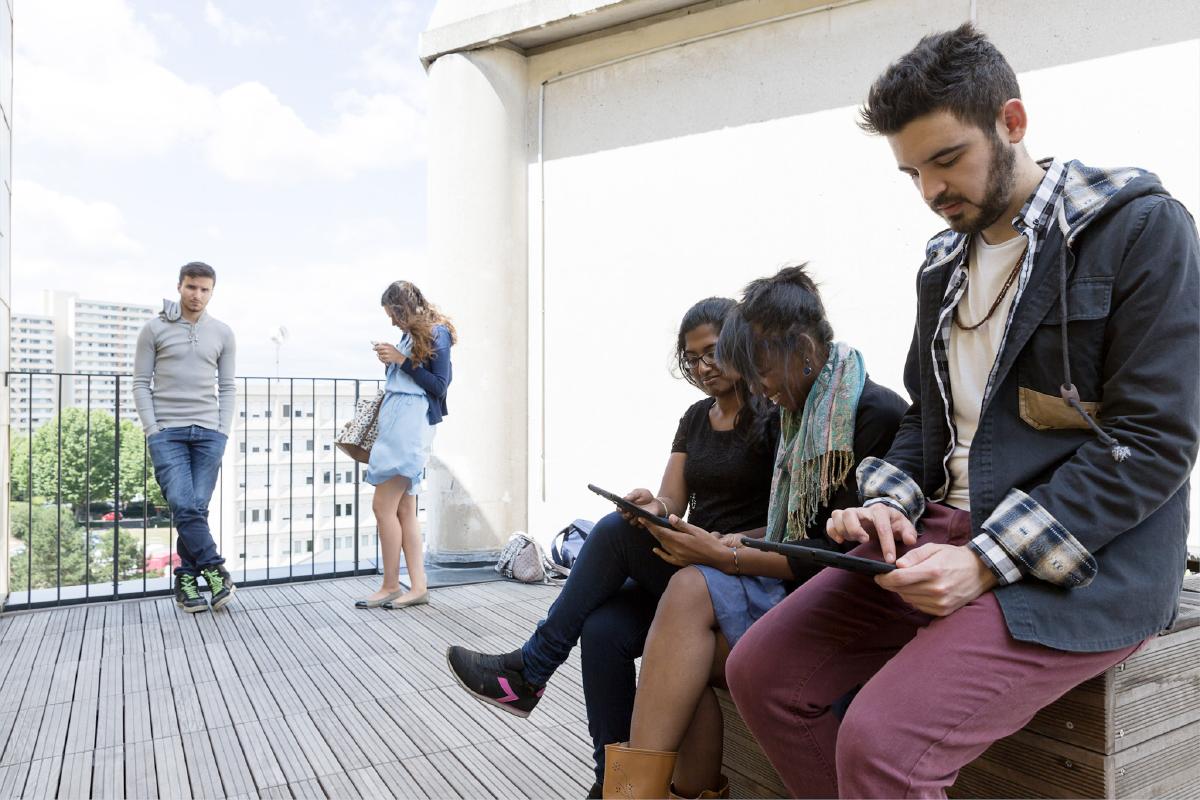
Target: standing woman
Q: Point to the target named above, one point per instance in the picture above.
(418, 375)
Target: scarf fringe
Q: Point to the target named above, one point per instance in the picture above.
(829, 471)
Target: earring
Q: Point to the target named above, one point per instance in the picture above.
(807, 368)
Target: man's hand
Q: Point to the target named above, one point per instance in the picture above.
(686, 544)
(388, 354)
(881, 520)
(938, 579)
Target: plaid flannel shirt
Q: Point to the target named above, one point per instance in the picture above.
(1020, 536)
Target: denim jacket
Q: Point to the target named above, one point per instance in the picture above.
(1081, 512)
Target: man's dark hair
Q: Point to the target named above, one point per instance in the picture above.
(197, 269)
(959, 71)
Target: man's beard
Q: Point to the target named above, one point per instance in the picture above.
(1001, 179)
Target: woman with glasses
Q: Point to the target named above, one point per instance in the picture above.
(832, 416)
(718, 473)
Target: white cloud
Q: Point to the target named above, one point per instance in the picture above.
(68, 242)
(89, 77)
(232, 31)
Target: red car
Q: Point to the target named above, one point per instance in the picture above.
(159, 561)
(111, 516)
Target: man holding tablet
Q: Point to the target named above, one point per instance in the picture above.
(1037, 490)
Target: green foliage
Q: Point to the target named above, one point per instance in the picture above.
(85, 460)
(61, 554)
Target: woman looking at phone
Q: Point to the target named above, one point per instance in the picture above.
(719, 473)
(832, 416)
(418, 375)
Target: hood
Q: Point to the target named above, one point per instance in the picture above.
(171, 312)
(1090, 193)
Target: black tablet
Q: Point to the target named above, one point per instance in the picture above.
(829, 558)
(637, 511)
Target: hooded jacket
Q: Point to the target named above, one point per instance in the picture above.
(1079, 508)
(178, 366)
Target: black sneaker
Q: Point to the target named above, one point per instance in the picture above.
(494, 679)
(219, 584)
(187, 594)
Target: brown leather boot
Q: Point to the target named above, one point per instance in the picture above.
(632, 774)
(722, 791)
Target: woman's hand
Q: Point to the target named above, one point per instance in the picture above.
(731, 540)
(643, 499)
(686, 544)
(388, 354)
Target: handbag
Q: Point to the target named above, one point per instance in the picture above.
(357, 436)
(567, 543)
(522, 559)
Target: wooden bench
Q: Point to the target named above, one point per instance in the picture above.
(1132, 732)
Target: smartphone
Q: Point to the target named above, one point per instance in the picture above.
(828, 558)
(637, 511)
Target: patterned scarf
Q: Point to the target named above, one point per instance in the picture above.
(816, 448)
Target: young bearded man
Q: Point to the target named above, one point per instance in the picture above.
(1037, 489)
(182, 355)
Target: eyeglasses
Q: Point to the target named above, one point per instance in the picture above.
(692, 362)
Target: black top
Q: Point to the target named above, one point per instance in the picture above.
(729, 479)
(879, 413)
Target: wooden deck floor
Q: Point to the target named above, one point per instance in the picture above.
(289, 692)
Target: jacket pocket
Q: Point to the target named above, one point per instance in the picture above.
(1046, 412)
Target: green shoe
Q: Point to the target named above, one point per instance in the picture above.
(219, 584)
(187, 594)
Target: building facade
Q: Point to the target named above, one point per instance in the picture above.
(595, 168)
(34, 399)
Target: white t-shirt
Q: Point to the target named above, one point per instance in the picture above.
(972, 354)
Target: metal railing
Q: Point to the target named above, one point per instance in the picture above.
(87, 522)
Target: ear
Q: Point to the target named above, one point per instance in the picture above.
(808, 348)
(1012, 121)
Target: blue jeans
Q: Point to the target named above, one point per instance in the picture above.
(186, 463)
(609, 603)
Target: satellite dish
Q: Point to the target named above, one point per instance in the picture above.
(278, 335)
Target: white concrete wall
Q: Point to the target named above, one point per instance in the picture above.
(6, 116)
(685, 172)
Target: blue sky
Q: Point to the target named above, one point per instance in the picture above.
(281, 142)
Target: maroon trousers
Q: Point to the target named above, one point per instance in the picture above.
(935, 691)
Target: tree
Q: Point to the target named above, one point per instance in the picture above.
(85, 456)
(60, 551)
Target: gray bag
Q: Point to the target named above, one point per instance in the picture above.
(522, 559)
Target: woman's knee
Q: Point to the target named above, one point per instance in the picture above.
(687, 595)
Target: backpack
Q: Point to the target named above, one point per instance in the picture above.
(522, 559)
(567, 543)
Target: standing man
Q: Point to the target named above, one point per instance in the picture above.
(1042, 468)
(181, 355)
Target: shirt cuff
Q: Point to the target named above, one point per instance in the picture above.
(992, 554)
(1035, 542)
(879, 480)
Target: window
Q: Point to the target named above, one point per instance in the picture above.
(254, 449)
(242, 447)
(337, 509)
(327, 447)
(308, 515)
(308, 480)
(308, 546)
(267, 515)
(287, 447)
(243, 516)
(287, 409)
(308, 445)
(254, 515)
(349, 476)
(349, 509)
(242, 414)
(325, 478)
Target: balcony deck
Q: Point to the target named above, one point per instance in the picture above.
(288, 692)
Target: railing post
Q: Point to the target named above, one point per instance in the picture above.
(117, 488)
(357, 531)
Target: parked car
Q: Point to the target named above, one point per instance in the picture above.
(160, 560)
(112, 515)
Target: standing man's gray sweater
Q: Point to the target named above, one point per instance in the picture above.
(186, 361)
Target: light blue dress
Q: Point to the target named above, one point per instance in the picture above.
(740, 600)
(405, 435)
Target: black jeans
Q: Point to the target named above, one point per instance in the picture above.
(608, 602)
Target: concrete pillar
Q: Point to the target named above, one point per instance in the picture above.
(6, 77)
(478, 254)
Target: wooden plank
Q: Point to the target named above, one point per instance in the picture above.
(134, 672)
(164, 719)
(342, 742)
(462, 782)
(203, 775)
(528, 783)
(318, 753)
(110, 721)
(140, 777)
(42, 782)
(108, 774)
(12, 779)
(287, 751)
(81, 730)
(112, 675)
(275, 793)
(399, 780)
(307, 790)
(23, 737)
(52, 736)
(37, 690)
(390, 732)
(211, 697)
(170, 769)
(262, 701)
(368, 783)
(189, 715)
(137, 718)
(264, 767)
(339, 785)
(62, 684)
(76, 776)
(496, 782)
(432, 782)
